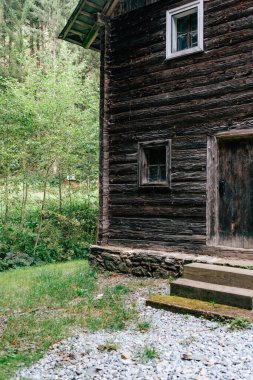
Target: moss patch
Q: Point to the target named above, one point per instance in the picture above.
(197, 307)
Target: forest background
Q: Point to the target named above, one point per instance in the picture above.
(49, 101)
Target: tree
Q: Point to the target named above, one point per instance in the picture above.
(48, 113)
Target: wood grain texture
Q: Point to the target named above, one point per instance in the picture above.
(221, 294)
(130, 5)
(221, 275)
(104, 142)
(235, 192)
(187, 100)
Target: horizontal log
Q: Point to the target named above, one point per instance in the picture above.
(197, 106)
(158, 211)
(186, 100)
(131, 189)
(194, 199)
(223, 85)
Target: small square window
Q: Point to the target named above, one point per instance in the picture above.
(185, 30)
(154, 163)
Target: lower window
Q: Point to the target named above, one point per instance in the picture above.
(155, 163)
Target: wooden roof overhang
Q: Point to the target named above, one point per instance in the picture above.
(84, 24)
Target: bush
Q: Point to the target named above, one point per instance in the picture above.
(64, 236)
(15, 260)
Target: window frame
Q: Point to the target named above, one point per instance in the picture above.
(142, 177)
(171, 29)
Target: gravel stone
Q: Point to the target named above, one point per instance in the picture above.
(187, 348)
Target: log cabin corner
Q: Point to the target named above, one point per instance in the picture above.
(176, 131)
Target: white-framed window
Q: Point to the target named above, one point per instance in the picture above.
(185, 29)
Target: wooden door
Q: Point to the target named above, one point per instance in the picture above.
(235, 195)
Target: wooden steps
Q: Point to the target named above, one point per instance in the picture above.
(217, 284)
(221, 275)
(221, 294)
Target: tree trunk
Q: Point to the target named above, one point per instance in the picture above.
(60, 188)
(24, 197)
(6, 196)
(41, 212)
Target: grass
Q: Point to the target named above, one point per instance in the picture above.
(171, 279)
(240, 324)
(40, 306)
(143, 326)
(213, 303)
(108, 346)
(149, 353)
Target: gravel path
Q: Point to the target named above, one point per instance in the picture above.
(186, 348)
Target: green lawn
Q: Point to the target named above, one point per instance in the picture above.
(41, 305)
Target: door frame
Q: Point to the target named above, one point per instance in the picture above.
(212, 190)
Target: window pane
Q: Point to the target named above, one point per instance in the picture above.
(194, 21)
(161, 155)
(187, 31)
(183, 24)
(156, 156)
(194, 39)
(152, 156)
(153, 173)
(182, 42)
(163, 173)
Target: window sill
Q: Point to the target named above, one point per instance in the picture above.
(154, 189)
(183, 53)
(154, 185)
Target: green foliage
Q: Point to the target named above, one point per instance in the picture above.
(212, 303)
(115, 313)
(149, 353)
(121, 289)
(171, 279)
(66, 235)
(143, 326)
(49, 100)
(239, 324)
(15, 260)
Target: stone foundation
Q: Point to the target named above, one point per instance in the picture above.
(137, 262)
(149, 263)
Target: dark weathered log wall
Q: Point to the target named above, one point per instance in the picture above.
(130, 5)
(103, 141)
(186, 99)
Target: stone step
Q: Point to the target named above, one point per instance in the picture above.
(226, 295)
(221, 275)
(198, 308)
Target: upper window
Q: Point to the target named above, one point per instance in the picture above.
(154, 163)
(185, 30)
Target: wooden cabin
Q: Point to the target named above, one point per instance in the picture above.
(176, 128)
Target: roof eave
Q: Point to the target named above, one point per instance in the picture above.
(87, 34)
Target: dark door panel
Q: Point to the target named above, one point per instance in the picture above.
(236, 193)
